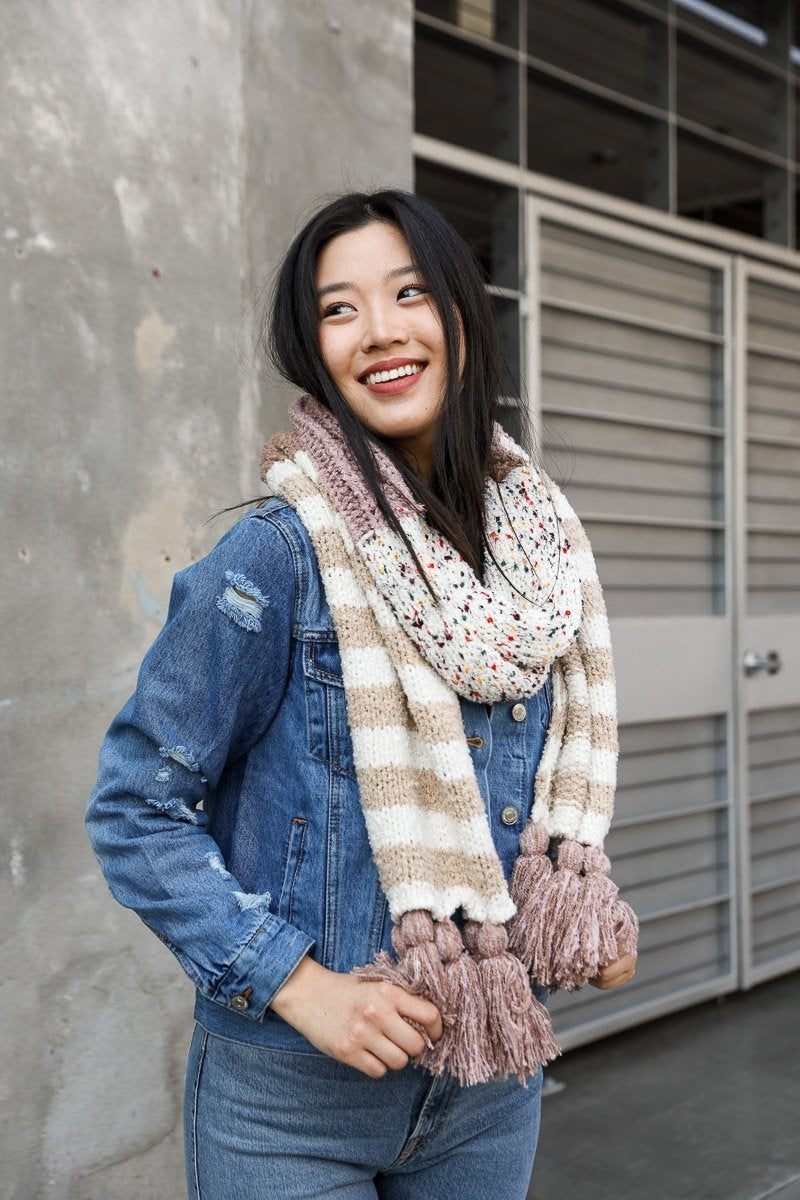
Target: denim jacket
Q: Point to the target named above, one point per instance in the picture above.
(226, 809)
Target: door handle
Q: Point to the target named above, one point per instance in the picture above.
(752, 662)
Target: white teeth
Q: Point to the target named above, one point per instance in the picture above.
(395, 373)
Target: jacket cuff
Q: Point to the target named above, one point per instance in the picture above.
(262, 967)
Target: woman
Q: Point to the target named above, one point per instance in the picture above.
(390, 688)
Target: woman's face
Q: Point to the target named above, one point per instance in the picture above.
(381, 336)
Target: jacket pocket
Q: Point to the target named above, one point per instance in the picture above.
(326, 711)
(295, 852)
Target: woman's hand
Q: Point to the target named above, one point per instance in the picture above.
(614, 974)
(357, 1021)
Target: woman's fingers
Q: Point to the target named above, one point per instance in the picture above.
(417, 1008)
(615, 974)
(411, 1038)
(370, 1064)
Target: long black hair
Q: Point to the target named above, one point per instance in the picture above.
(288, 338)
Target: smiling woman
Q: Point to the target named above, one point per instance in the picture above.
(392, 692)
(380, 279)
(382, 339)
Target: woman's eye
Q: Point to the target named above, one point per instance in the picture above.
(335, 310)
(418, 288)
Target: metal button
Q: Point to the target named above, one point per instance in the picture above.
(240, 1003)
(519, 712)
(476, 741)
(509, 815)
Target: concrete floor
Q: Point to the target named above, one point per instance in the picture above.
(702, 1105)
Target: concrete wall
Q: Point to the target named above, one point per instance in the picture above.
(157, 158)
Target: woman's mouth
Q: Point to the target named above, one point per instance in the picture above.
(393, 380)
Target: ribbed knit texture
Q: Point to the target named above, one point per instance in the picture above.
(405, 660)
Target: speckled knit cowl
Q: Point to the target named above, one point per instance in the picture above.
(405, 660)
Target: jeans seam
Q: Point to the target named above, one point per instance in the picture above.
(265, 1046)
(196, 1088)
(426, 1138)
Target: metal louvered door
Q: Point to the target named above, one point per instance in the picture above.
(629, 370)
(768, 411)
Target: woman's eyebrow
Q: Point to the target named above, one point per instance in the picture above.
(410, 269)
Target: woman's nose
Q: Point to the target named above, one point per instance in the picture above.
(383, 327)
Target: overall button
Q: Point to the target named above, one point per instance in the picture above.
(240, 1003)
(509, 815)
(476, 741)
(519, 712)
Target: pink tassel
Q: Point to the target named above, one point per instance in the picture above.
(602, 927)
(559, 931)
(626, 928)
(531, 879)
(418, 967)
(596, 944)
(432, 963)
(414, 940)
(518, 1028)
(461, 1049)
(570, 921)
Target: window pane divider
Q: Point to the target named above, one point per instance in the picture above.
(730, 48)
(590, 87)
(467, 37)
(731, 142)
(503, 293)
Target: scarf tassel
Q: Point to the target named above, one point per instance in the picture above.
(570, 921)
(492, 1024)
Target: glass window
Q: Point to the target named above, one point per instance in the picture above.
(465, 95)
(485, 214)
(739, 24)
(603, 41)
(507, 315)
(718, 185)
(585, 140)
(727, 95)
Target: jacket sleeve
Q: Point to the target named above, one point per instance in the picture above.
(207, 689)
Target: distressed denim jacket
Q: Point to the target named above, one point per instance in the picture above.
(226, 809)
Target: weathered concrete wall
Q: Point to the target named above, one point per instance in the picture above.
(156, 160)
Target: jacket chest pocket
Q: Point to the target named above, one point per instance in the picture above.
(326, 712)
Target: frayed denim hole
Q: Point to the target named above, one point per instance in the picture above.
(243, 602)
(177, 809)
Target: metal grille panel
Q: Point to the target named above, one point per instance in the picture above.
(774, 814)
(669, 846)
(773, 448)
(631, 385)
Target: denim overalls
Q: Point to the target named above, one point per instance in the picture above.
(226, 813)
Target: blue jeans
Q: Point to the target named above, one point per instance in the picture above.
(275, 1124)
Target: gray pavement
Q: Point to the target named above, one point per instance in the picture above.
(701, 1105)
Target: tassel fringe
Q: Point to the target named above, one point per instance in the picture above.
(570, 921)
(492, 1024)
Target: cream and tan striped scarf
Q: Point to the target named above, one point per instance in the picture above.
(405, 660)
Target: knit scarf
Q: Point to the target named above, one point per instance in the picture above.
(405, 660)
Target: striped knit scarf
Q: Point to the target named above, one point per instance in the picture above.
(405, 661)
